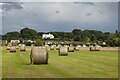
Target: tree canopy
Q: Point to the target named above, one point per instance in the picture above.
(27, 33)
(112, 39)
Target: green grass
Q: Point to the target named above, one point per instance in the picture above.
(80, 64)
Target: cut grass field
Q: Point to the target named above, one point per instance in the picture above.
(78, 64)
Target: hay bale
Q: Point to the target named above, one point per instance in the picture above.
(17, 47)
(110, 49)
(63, 51)
(8, 47)
(97, 48)
(39, 55)
(58, 47)
(94, 48)
(71, 49)
(47, 47)
(12, 49)
(77, 48)
(22, 48)
(84, 48)
(52, 47)
(9, 44)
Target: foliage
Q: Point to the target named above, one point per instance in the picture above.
(39, 42)
(87, 39)
(77, 34)
(112, 39)
(11, 36)
(27, 43)
(27, 33)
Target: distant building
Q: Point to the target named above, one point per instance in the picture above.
(23, 41)
(46, 36)
(104, 43)
(14, 41)
(30, 41)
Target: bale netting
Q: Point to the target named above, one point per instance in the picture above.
(39, 55)
(63, 51)
(94, 48)
(22, 48)
(12, 49)
(71, 49)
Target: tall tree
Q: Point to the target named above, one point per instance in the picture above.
(27, 33)
(11, 36)
(77, 34)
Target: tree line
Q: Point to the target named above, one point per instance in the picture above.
(111, 39)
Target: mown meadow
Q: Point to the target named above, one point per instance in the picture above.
(78, 64)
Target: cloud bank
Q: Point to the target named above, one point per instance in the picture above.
(60, 16)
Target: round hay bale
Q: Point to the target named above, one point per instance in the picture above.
(17, 47)
(52, 47)
(8, 47)
(63, 51)
(97, 48)
(39, 55)
(22, 48)
(71, 49)
(47, 47)
(12, 49)
(9, 44)
(77, 48)
(94, 48)
(58, 47)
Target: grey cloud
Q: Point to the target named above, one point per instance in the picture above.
(101, 12)
(88, 14)
(43, 17)
(10, 0)
(85, 3)
(57, 11)
(12, 5)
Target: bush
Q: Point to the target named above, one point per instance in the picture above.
(39, 42)
(27, 43)
(75, 43)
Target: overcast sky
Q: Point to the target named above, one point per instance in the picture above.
(59, 16)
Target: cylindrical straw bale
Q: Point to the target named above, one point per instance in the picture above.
(12, 49)
(63, 51)
(95, 48)
(17, 47)
(48, 47)
(77, 48)
(71, 49)
(39, 55)
(9, 44)
(22, 48)
(58, 47)
(8, 47)
(52, 47)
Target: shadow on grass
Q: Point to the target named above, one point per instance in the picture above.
(34, 64)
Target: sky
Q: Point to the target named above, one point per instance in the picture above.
(59, 16)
